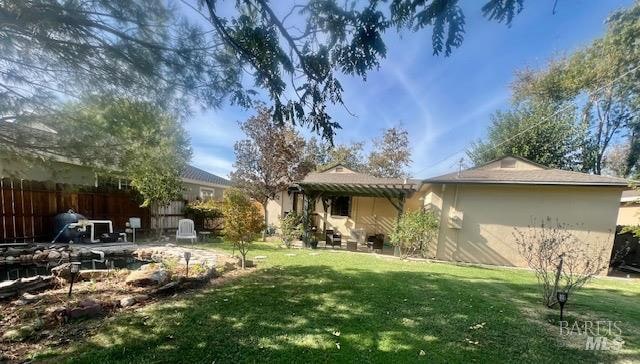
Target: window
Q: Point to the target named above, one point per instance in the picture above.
(207, 194)
(339, 169)
(341, 206)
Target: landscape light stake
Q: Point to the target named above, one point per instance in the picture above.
(75, 268)
(187, 256)
(562, 299)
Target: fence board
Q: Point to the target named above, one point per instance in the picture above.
(27, 208)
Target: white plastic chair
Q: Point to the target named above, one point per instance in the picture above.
(186, 230)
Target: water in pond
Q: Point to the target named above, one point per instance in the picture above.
(15, 271)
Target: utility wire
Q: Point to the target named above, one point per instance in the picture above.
(542, 121)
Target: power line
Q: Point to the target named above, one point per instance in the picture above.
(542, 121)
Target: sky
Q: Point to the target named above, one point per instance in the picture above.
(444, 102)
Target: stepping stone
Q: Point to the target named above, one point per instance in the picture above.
(313, 254)
(290, 255)
(260, 257)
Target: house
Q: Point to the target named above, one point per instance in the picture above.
(202, 185)
(352, 203)
(479, 208)
(629, 213)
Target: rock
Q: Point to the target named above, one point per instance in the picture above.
(85, 253)
(10, 259)
(13, 252)
(169, 245)
(127, 301)
(20, 302)
(63, 271)
(65, 255)
(167, 288)
(140, 298)
(148, 275)
(54, 255)
(30, 297)
(87, 309)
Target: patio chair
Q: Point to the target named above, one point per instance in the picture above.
(186, 230)
(375, 242)
(333, 239)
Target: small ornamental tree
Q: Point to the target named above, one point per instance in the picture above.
(242, 221)
(560, 261)
(414, 232)
(292, 228)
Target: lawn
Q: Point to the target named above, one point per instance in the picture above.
(354, 307)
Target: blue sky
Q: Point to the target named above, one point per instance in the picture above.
(444, 102)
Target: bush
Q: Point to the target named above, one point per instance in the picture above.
(560, 261)
(292, 228)
(414, 232)
(204, 213)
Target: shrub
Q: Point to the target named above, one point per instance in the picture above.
(203, 212)
(243, 221)
(292, 228)
(558, 258)
(415, 231)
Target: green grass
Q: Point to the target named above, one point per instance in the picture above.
(385, 310)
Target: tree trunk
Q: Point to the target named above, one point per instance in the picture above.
(243, 259)
(266, 221)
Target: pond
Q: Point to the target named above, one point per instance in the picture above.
(15, 271)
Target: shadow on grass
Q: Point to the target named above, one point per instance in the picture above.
(319, 314)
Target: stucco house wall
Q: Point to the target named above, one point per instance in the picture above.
(629, 214)
(478, 222)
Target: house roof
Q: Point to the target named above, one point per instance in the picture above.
(354, 183)
(532, 174)
(197, 174)
(630, 196)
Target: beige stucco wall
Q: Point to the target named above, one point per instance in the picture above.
(371, 215)
(486, 216)
(629, 214)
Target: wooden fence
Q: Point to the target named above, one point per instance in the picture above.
(27, 208)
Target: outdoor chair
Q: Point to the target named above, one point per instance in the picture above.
(375, 242)
(333, 239)
(186, 230)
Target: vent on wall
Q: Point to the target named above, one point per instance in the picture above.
(508, 163)
(339, 169)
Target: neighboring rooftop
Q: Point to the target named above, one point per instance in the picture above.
(197, 174)
(517, 170)
(630, 196)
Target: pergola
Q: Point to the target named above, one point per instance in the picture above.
(396, 193)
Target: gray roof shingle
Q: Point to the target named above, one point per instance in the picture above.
(537, 176)
(197, 174)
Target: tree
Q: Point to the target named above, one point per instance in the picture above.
(560, 261)
(131, 139)
(349, 155)
(269, 159)
(144, 48)
(242, 221)
(602, 81)
(292, 228)
(556, 143)
(391, 154)
(615, 162)
(415, 231)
